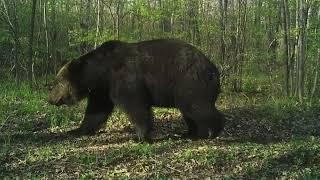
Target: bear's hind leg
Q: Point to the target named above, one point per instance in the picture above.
(97, 112)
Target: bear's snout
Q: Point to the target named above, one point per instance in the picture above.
(57, 102)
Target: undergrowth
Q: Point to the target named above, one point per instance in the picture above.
(265, 137)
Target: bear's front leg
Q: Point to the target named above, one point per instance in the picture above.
(99, 108)
(129, 92)
(136, 105)
(141, 116)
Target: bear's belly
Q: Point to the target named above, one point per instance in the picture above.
(162, 100)
(160, 93)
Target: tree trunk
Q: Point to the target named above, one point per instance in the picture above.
(296, 67)
(315, 81)
(303, 17)
(223, 8)
(31, 35)
(223, 4)
(46, 39)
(14, 32)
(118, 21)
(240, 45)
(286, 45)
(98, 23)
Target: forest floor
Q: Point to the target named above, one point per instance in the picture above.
(264, 138)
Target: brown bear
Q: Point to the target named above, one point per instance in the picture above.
(137, 76)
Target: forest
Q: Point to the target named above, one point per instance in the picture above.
(268, 55)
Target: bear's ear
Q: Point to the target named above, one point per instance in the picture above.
(109, 47)
(77, 65)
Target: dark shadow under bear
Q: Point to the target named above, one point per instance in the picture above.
(137, 76)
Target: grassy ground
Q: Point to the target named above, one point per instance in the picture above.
(264, 138)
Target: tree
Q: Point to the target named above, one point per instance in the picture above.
(286, 42)
(30, 64)
(301, 46)
(98, 23)
(258, 45)
(14, 32)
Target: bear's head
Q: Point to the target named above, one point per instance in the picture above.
(88, 73)
(67, 88)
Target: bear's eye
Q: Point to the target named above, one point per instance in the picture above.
(49, 86)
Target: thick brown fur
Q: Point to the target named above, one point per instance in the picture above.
(137, 76)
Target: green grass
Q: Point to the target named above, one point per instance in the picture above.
(264, 138)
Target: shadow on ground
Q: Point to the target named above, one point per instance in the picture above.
(242, 125)
(114, 148)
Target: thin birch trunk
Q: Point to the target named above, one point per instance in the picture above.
(98, 23)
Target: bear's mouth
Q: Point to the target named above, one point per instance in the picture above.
(69, 102)
(62, 101)
(57, 102)
(62, 94)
